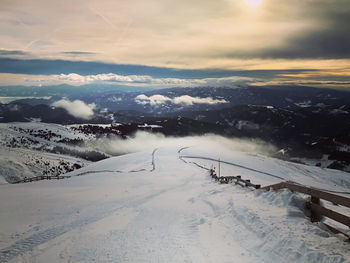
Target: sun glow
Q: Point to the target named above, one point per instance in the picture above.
(253, 3)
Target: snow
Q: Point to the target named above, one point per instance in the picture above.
(88, 124)
(304, 104)
(12, 128)
(149, 126)
(6, 100)
(17, 163)
(338, 111)
(154, 206)
(324, 162)
(264, 170)
(25, 148)
(248, 125)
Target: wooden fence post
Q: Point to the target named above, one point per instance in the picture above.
(219, 169)
(315, 216)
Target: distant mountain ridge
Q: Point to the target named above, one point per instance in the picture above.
(304, 122)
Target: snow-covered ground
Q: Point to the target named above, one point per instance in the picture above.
(58, 131)
(17, 163)
(153, 206)
(29, 149)
(264, 170)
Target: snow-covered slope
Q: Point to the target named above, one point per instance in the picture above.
(154, 207)
(17, 163)
(29, 149)
(264, 170)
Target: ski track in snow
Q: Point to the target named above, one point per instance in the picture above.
(28, 244)
(118, 171)
(292, 166)
(233, 164)
(176, 215)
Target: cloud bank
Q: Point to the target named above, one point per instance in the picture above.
(76, 108)
(144, 141)
(181, 100)
(136, 80)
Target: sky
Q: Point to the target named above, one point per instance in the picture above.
(175, 43)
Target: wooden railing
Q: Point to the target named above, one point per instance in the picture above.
(235, 179)
(317, 211)
(41, 177)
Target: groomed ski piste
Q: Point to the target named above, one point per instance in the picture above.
(160, 205)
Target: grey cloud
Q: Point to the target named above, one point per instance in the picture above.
(78, 53)
(325, 44)
(5, 52)
(331, 41)
(329, 38)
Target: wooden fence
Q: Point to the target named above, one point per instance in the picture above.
(317, 211)
(41, 177)
(235, 179)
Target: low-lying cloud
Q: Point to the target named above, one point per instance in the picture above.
(76, 108)
(144, 141)
(184, 100)
(137, 80)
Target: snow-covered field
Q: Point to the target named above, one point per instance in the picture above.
(17, 163)
(29, 149)
(145, 207)
(20, 129)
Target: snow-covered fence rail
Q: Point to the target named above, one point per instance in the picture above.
(41, 177)
(314, 204)
(236, 179)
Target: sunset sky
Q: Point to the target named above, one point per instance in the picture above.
(175, 43)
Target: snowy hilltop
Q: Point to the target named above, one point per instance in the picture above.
(30, 149)
(161, 205)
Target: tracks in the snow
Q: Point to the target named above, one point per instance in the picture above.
(225, 162)
(39, 178)
(183, 157)
(153, 162)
